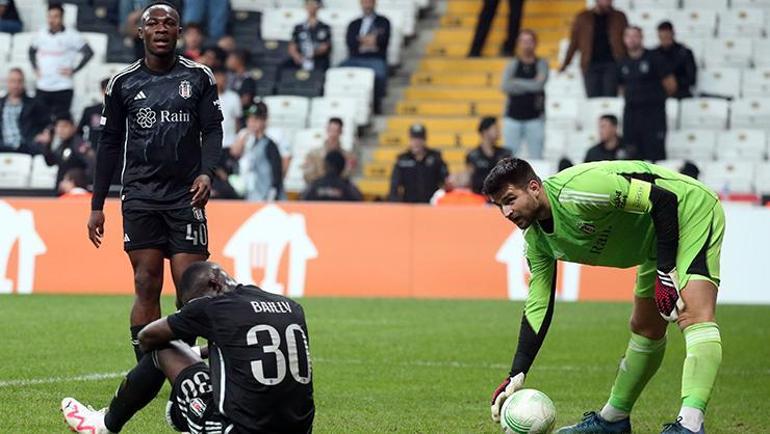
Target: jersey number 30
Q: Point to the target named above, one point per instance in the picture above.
(273, 347)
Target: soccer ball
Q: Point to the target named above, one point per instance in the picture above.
(528, 411)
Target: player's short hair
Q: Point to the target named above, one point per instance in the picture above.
(145, 11)
(194, 281)
(56, 6)
(337, 121)
(666, 25)
(78, 177)
(66, 117)
(609, 118)
(16, 69)
(509, 171)
(634, 27)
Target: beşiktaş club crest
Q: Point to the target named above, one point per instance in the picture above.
(185, 90)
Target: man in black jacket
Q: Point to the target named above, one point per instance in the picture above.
(333, 186)
(27, 117)
(367, 40)
(679, 58)
(418, 172)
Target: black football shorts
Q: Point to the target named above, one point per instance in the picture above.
(191, 406)
(173, 231)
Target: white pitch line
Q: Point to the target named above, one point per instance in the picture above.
(52, 380)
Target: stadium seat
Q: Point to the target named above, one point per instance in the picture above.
(355, 83)
(98, 43)
(655, 4)
(691, 144)
(761, 53)
(563, 113)
(648, 18)
(720, 82)
(304, 141)
(578, 144)
(706, 113)
(756, 82)
(596, 107)
(672, 113)
(729, 52)
(43, 176)
(323, 108)
(269, 53)
(246, 27)
(266, 78)
(694, 23)
(759, 4)
(555, 146)
(697, 45)
(14, 170)
(252, 5)
(742, 145)
(726, 177)
(301, 83)
(715, 5)
(5, 47)
(751, 113)
(574, 66)
(278, 24)
(762, 178)
(70, 16)
(567, 84)
(20, 47)
(741, 22)
(288, 112)
(543, 168)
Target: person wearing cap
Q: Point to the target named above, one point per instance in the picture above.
(481, 160)
(311, 42)
(259, 161)
(418, 172)
(333, 186)
(64, 148)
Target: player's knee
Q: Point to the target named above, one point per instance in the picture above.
(648, 327)
(147, 282)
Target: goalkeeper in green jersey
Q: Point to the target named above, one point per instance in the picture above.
(621, 214)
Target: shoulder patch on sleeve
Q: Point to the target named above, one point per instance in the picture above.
(638, 200)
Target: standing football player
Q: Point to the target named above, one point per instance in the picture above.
(622, 214)
(260, 380)
(162, 115)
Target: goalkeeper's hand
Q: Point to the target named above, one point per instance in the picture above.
(667, 295)
(503, 391)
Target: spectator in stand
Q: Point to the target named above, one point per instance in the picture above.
(311, 42)
(20, 117)
(259, 161)
(367, 40)
(66, 149)
(610, 146)
(90, 127)
(481, 160)
(456, 192)
(129, 12)
(9, 17)
(598, 34)
(239, 79)
(524, 84)
(333, 186)
(418, 172)
(216, 12)
(232, 112)
(227, 44)
(213, 57)
(74, 185)
(193, 39)
(679, 58)
(486, 16)
(54, 54)
(314, 166)
(646, 81)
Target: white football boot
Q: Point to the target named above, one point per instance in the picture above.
(83, 419)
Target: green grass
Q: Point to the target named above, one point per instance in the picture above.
(390, 365)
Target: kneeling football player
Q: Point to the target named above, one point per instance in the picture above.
(621, 214)
(260, 375)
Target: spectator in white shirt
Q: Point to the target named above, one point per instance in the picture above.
(232, 112)
(56, 54)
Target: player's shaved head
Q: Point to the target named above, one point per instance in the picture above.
(167, 7)
(203, 278)
(509, 171)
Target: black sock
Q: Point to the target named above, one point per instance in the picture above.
(135, 341)
(138, 389)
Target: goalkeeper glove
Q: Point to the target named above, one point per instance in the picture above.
(503, 391)
(667, 295)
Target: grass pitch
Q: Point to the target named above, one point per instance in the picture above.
(388, 365)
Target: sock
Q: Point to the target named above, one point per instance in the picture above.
(691, 418)
(642, 359)
(138, 389)
(704, 355)
(135, 341)
(612, 414)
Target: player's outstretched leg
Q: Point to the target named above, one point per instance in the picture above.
(704, 355)
(82, 418)
(642, 359)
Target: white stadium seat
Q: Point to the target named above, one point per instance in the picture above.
(596, 107)
(578, 144)
(715, 5)
(70, 15)
(761, 53)
(742, 22)
(20, 47)
(43, 176)
(756, 82)
(563, 113)
(252, 5)
(723, 82)
(5, 47)
(288, 112)
(351, 82)
(691, 144)
(98, 43)
(672, 113)
(278, 24)
(555, 144)
(742, 145)
(758, 4)
(727, 177)
(655, 4)
(762, 178)
(14, 170)
(706, 113)
(324, 108)
(729, 52)
(694, 23)
(574, 66)
(751, 113)
(543, 168)
(648, 18)
(567, 84)
(696, 44)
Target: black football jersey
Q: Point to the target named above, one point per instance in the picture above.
(261, 370)
(163, 124)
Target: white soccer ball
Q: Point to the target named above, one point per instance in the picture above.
(528, 411)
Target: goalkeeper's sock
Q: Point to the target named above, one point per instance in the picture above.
(135, 341)
(704, 355)
(642, 359)
(138, 389)
(691, 418)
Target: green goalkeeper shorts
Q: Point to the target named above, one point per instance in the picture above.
(700, 245)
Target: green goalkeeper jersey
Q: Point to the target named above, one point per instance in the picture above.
(601, 216)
